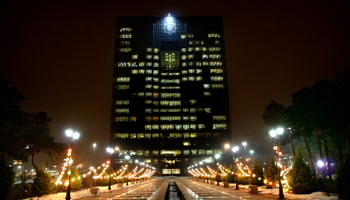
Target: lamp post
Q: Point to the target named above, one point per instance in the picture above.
(93, 164)
(72, 137)
(110, 151)
(127, 157)
(275, 134)
(235, 149)
(217, 156)
(245, 152)
(227, 146)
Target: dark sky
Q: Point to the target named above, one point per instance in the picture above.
(60, 56)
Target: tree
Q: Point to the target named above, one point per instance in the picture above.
(300, 176)
(258, 174)
(275, 115)
(43, 183)
(7, 177)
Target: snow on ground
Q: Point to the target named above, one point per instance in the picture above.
(80, 194)
(275, 192)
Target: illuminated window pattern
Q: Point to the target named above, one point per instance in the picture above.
(170, 60)
(219, 117)
(124, 49)
(125, 29)
(170, 95)
(216, 78)
(217, 86)
(121, 119)
(219, 126)
(123, 87)
(170, 118)
(125, 35)
(122, 110)
(213, 35)
(123, 79)
(170, 103)
(121, 135)
(122, 102)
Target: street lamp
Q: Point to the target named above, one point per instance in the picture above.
(217, 156)
(72, 137)
(245, 152)
(235, 149)
(127, 157)
(275, 134)
(251, 153)
(110, 151)
(227, 146)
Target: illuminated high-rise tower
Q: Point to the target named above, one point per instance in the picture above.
(170, 97)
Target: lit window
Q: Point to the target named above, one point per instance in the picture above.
(170, 95)
(132, 136)
(217, 86)
(141, 71)
(219, 126)
(193, 135)
(178, 127)
(134, 64)
(133, 119)
(148, 126)
(170, 118)
(190, 56)
(214, 56)
(148, 49)
(193, 110)
(134, 71)
(155, 118)
(205, 56)
(170, 60)
(205, 63)
(140, 136)
(155, 72)
(141, 94)
(193, 118)
(125, 36)
(183, 36)
(183, 50)
(186, 126)
(186, 143)
(192, 101)
(185, 118)
(184, 79)
(204, 49)
(122, 119)
(167, 126)
(156, 110)
(176, 81)
(124, 49)
(170, 103)
(217, 70)
(207, 110)
(121, 135)
(201, 126)
(184, 64)
(190, 64)
(194, 151)
(184, 72)
(206, 86)
(147, 79)
(156, 87)
(170, 87)
(123, 87)
(149, 64)
(156, 64)
(216, 78)
(193, 126)
(207, 94)
(155, 135)
(122, 102)
(209, 152)
(186, 152)
(184, 109)
(198, 49)
(190, 42)
(148, 86)
(125, 29)
(155, 126)
(124, 42)
(148, 110)
(201, 151)
(219, 117)
(190, 49)
(198, 63)
(122, 110)
(148, 94)
(155, 95)
(156, 50)
(199, 78)
(148, 71)
(170, 110)
(134, 56)
(155, 57)
(147, 119)
(217, 41)
(191, 78)
(183, 57)
(190, 35)
(148, 56)
(155, 103)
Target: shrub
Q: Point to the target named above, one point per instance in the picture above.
(342, 175)
(259, 174)
(43, 183)
(272, 172)
(300, 176)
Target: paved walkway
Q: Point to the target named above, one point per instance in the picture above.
(198, 190)
(152, 190)
(191, 190)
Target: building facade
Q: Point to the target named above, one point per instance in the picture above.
(170, 104)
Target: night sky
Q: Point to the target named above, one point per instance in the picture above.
(60, 56)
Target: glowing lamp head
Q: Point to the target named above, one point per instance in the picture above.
(280, 131)
(244, 144)
(217, 156)
(273, 133)
(76, 135)
(136, 161)
(69, 133)
(127, 157)
(94, 145)
(320, 163)
(251, 151)
(227, 146)
(235, 149)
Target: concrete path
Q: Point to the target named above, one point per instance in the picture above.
(192, 189)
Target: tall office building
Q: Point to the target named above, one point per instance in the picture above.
(170, 97)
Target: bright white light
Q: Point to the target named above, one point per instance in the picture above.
(127, 157)
(235, 149)
(217, 156)
(320, 163)
(273, 133)
(110, 150)
(76, 135)
(227, 146)
(244, 143)
(169, 19)
(136, 161)
(94, 145)
(201, 163)
(69, 133)
(280, 131)
(251, 151)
